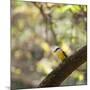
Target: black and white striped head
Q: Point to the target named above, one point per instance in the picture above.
(56, 48)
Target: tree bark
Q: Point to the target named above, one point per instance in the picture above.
(57, 76)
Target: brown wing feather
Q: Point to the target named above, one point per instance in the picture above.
(64, 53)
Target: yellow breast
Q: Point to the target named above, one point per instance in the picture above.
(60, 55)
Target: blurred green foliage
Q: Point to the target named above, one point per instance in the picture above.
(35, 28)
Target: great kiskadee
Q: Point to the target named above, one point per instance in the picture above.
(61, 55)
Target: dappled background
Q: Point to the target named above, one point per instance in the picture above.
(35, 29)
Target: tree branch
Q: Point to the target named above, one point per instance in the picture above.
(48, 20)
(57, 76)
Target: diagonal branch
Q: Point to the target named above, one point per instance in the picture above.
(57, 76)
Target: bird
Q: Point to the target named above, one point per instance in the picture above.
(59, 53)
